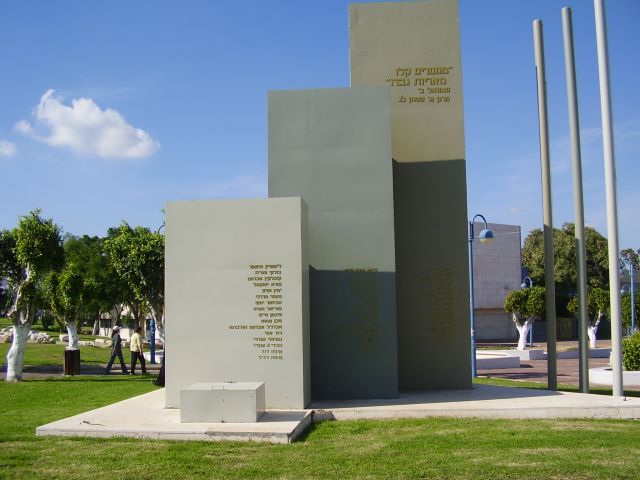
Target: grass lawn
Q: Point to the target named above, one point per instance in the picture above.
(427, 448)
(52, 354)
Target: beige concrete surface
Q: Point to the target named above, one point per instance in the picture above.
(484, 401)
(144, 416)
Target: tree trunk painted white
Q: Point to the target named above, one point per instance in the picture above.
(592, 332)
(15, 356)
(96, 327)
(72, 330)
(523, 331)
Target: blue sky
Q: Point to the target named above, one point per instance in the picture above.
(110, 109)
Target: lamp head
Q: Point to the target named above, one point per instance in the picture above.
(523, 285)
(486, 236)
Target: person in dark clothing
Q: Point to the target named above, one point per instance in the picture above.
(116, 351)
(160, 380)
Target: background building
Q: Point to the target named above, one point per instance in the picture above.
(496, 271)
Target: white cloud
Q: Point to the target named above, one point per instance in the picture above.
(87, 129)
(7, 149)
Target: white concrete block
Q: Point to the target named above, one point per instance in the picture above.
(222, 402)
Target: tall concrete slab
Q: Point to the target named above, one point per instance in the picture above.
(236, 297)
(414, 49)
(332, 147)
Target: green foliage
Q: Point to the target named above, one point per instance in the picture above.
(597, 302)
(516, 303)
(103, 287)
(632, 256)
(137, 255)
(64, 292)
(536, 301)
(38, 244)
(47, 320)
(631, 352)
(565, 257)
(9, 267)
(27, 253)
(526, 302)
(626, 309)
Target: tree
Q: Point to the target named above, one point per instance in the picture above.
(632, 256)
(525, 305)
(27, 254)
(104, 291)
(137, 255)
(565, 260)
(65, 292)
(597, 307)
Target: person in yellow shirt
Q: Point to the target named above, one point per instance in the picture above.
(137, 352)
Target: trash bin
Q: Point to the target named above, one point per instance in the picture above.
(71, 362)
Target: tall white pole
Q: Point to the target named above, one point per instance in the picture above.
(549, 282)
(578, 205)
(612, 203)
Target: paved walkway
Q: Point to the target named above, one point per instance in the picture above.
(30, 372)
(536, 370)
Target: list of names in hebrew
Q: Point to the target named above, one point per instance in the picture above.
(266, 334)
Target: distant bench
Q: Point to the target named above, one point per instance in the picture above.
(222, 402)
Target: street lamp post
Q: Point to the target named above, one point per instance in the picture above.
(524, 285)
(626, 264)
(486, 236)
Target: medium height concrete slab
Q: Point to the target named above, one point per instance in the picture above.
(236, 297)
(414, 49)
(332, 147)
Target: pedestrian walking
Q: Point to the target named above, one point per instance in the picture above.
(116, 351)
(137, 352)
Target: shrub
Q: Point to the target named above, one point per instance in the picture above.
(631, 352)
(47, 320)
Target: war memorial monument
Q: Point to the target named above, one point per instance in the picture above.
(342, 283)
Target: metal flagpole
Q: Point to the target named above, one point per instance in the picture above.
(612, 203)
(552, 371)
(578, 205)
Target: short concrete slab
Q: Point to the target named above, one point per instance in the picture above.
(494, 360)
(484, 401)
(531, 354)
(144, 416)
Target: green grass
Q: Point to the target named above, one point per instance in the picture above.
(52, 354)
(563, 387)
(427, 448)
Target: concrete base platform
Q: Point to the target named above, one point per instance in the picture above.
(604, 376)
(593, 353)
(531, 354)
(495, 360)
(484, 401)
(144, 416)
